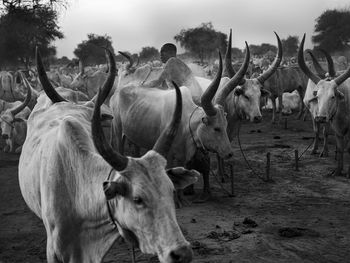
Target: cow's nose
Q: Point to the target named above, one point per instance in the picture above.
(257, 119)
(181, 255)
(286, 113)
(230, 155)
(5, 136)
(320, 119)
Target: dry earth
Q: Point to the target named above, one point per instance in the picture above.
(245, 228)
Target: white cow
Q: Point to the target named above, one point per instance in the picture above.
(73, 180)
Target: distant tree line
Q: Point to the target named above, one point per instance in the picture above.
(25, 24)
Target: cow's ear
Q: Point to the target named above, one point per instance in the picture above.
(265, 93)
(112, 189)
(182, 177)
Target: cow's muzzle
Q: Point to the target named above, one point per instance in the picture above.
(181, 255)
(5, 136)
(321, 119)
(257, 119)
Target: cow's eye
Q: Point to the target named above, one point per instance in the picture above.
(245, 96)
(138, 200)
(217, 129)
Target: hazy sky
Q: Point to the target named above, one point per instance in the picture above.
(134, 24)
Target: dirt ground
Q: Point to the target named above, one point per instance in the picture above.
(301, 216)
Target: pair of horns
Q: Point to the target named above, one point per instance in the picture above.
(114, 158)
(320, 71)
(314, 78)
(234, 81)
(229, 71)
(27, 99)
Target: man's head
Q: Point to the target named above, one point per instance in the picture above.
(167, 51)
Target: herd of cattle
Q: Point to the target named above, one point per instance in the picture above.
(71, 132)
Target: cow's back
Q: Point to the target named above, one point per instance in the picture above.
(38, 162)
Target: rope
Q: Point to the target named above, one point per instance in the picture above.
(307, 148)
(115, 222)
(249, 166)
(220, 184)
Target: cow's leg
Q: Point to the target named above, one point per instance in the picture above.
(316, 127)
(273, 101)
(220, 168)
(280, 107)
(202, 165)
(340, 155)
(50, 252)
(6, 148)
(11, 145)
(302, 105)
(18, 149)
(324, 152)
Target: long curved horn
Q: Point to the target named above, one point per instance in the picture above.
(340, 79)
(28, 97)
(320, 71)
(116, 160)
(131, 62)
(165, 140)
(234, 81)
(44, 80)
(330, 63)
(268, 73)
(301, 62)
(208, 95)
(228, 69)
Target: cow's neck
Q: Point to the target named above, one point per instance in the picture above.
(341, 120)
(97, 232)
(234, 116)
(193, 122)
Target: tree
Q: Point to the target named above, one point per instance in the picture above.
(91, 51)
(22, 28)
(262, 49)
(290, 46)
(149, 53)
(333, 30)
(236, 53)
(202, 41)
(33, 4)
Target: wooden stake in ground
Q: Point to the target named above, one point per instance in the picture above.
(267, 175)
(232, 180)
(296, 157)
(285, 123)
